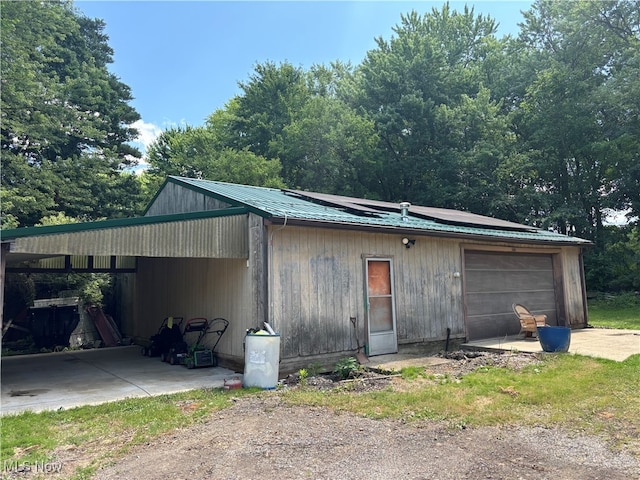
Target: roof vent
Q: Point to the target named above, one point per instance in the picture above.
(404, 208)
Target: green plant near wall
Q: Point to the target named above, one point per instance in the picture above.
(346, 367)
(304, 374)
(314, 369)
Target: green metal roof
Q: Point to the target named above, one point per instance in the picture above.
(291, 205)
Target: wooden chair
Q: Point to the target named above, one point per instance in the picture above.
(529, 322)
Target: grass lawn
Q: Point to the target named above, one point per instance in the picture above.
(581, 394)
(622, 311)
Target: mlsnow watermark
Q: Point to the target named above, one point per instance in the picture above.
(16, 466)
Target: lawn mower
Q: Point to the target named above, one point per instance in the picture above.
(197, 354)
(168, 335)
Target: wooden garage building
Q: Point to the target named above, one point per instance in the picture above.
(327, 272)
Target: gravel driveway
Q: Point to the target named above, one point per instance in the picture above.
(264, 438)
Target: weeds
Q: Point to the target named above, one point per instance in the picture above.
(303, 374)
(347, 367)
(411, 373)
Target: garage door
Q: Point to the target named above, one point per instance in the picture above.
(494, 281)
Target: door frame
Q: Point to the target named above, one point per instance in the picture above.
(380, 343)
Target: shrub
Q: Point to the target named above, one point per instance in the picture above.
(346, 367)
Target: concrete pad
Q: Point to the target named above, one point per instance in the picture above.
(397, 361)
(607, 343)
(69, 379)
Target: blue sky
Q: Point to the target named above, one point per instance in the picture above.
(183, 59)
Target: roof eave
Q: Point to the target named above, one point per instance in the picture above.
(276, 220)
(8, 235)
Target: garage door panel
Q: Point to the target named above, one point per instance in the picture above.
(494, 326)
(515, 281)
(495, 281)
(487, 303)
(500, 261)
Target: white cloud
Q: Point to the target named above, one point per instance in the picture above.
(147, 133)
(616, 217)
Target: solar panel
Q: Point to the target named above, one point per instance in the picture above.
(443, 215)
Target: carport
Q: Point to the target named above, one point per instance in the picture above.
(66, 379)
(116, 246)
(69, 379)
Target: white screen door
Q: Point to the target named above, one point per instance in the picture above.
(381, 318)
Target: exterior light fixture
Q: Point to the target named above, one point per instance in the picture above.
(407, 242)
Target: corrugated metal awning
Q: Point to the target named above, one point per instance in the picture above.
(217, 234)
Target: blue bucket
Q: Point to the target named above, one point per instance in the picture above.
(554, 339)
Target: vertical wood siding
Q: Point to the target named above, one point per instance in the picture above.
(178, 199)
(573, 287)
(317, 284)
(195, 288)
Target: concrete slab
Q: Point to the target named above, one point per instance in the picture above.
(607, 343)
(398, 361)
(88, 377)
(612, 344)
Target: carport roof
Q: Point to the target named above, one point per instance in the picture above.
(294, 206)
(110, 245)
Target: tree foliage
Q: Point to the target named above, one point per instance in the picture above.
(542, 128)
(66, 120)
(420, 89)
(196, 152)
(569, 117)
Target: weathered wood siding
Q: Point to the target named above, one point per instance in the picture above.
(574, 296)
(195, 288)
(316, 284)
(178, 199)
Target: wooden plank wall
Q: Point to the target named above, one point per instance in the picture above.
(195, 287)
(317, 284)
(178, 199)
(573, 287)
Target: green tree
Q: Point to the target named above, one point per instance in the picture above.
(330, 149)
(614, 265)
(327, 145)
(196, 152)
(66, 120)
(273, 94)
(575, 112)
(418, 88)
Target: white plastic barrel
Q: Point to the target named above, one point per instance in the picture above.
(261, 360)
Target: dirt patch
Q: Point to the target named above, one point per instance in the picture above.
(262, 436)
(450, 364)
